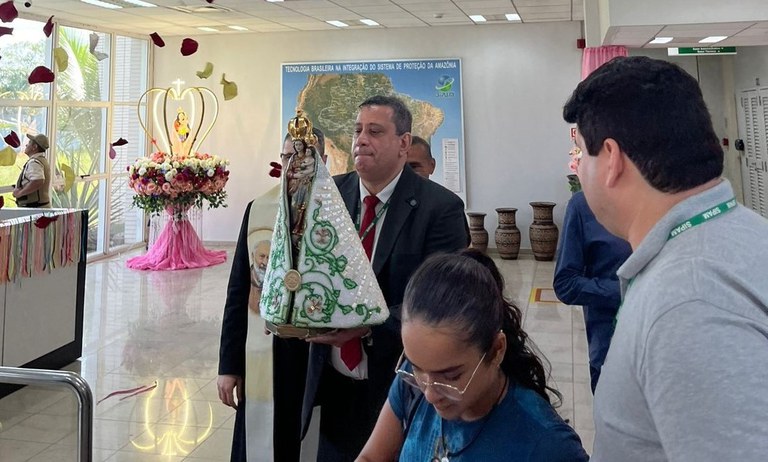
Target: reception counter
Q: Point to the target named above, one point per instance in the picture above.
(42, 286)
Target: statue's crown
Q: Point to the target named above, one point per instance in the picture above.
(300, 128)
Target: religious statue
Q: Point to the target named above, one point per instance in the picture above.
(181, 125)
(318, 277)
(300, 173)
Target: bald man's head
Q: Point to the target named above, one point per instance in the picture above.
(420, 157)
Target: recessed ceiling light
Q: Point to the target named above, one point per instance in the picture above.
(208, 29)
(102, 4)
(369, 22)
(140, 3)
(513, 17)
(337, 23)
(713, 39)
(477, 17)
(661, 40)
(238, 28)
(273, 1)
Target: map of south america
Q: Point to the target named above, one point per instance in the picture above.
(331, 100)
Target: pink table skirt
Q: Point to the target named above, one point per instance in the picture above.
(177, 247)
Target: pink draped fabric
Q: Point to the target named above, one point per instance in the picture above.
(177, 247)
(592, 58)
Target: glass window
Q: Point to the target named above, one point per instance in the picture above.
(87, 76)
(125, 221)
(22, 51)
(80, 138)
(85, 195)
(131, 58)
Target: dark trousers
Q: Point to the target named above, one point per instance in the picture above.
(599, 323)
(289, 377)
(238, 435)
(348, 415)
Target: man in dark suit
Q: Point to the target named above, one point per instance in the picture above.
(412, 218)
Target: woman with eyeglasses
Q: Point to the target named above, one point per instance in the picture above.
(468, 387)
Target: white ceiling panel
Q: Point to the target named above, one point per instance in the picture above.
(311, 14)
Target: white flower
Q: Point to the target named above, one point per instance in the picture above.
(142, 171)
(176, 164)
(210, 172)
(169, 176)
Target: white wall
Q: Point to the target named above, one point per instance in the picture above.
(516, 79)
(750, 63)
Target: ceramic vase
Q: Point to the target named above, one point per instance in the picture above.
(477, 232)
(507, 234)
(543, 231)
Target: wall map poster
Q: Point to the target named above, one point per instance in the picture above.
(329, 94)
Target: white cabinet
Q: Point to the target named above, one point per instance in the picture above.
(753, 129)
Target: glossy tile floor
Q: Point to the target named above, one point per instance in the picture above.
(142, 327)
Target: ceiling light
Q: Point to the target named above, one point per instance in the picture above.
(101, 4)
(238, 28)
(713, 39)
(369, 22)
(208, 29)
(513, 17)
(140, 3)
(273, 1)
(477, 17)
(658, 40)
(337, 23)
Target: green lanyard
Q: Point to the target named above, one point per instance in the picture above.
(692, 222)
(701, 218)
(375, 220)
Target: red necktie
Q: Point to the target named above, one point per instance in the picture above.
(352, 351)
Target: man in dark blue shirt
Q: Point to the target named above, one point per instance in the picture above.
(585, 274)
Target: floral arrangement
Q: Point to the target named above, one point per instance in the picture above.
(164, 180)
(573, 179)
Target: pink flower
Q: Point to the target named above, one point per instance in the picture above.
(151, 188)
(575, 154)
(166, 188)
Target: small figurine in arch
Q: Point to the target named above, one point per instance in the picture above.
(181, 125)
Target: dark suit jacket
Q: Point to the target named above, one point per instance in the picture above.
(234, 325)
(423, 218)
(234, 329)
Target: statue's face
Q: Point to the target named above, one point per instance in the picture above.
(182, 117)
(298, 145)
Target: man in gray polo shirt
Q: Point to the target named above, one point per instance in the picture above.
(686, 377)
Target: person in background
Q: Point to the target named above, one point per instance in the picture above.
(468, 385)
(585, 274)
(685, 377)
(420, 157)
(34, 183)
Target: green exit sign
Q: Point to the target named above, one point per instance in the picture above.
(700, 51)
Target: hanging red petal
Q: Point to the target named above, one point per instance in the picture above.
(12, 140)
(6, 31)
(44, 221)
(120, 142)
(157, 40)
(276, 170)
(8, 12)
(112, 152)
(40, 74)
(48, 27)
(188, 46)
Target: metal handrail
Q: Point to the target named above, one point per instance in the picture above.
(23, 376)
